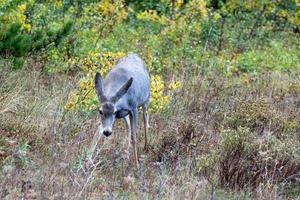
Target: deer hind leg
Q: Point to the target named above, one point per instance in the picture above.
(133, 123)
(146, 125)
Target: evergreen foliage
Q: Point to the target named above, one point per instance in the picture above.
(16, 42)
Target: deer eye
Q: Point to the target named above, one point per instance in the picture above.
(100, 111)
(115, 111)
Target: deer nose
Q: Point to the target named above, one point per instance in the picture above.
(107, 133)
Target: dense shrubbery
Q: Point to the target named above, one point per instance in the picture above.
(261, 116)
(17, 43)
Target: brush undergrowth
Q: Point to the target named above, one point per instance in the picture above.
(247, 146)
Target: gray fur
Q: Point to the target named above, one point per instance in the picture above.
(122, 91)
(125, 88)
(99, 87)
(138, 94)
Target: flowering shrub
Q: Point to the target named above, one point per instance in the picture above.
(198, 7)
(151, 15)
(159, 101)
(161, 93)
(16, 15)
(104, 15)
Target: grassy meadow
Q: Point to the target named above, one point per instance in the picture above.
(224, 109)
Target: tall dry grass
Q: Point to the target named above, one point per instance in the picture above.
(46, 153)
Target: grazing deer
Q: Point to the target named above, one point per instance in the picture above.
(125, 88)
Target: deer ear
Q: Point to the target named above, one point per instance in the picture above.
(99, 87)
(122, 90)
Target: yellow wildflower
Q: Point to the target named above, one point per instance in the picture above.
(22, 8)
(58, 3)
(152, 16)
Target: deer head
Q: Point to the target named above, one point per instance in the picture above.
(108, 108)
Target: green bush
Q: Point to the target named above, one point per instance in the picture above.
(262, 117)
(17, 43)
(277, 56)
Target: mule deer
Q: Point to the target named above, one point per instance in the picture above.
(125, 88)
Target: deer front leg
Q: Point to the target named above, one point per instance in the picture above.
(133, 123)
(146, 125)
(127, 120)
(127, 149)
